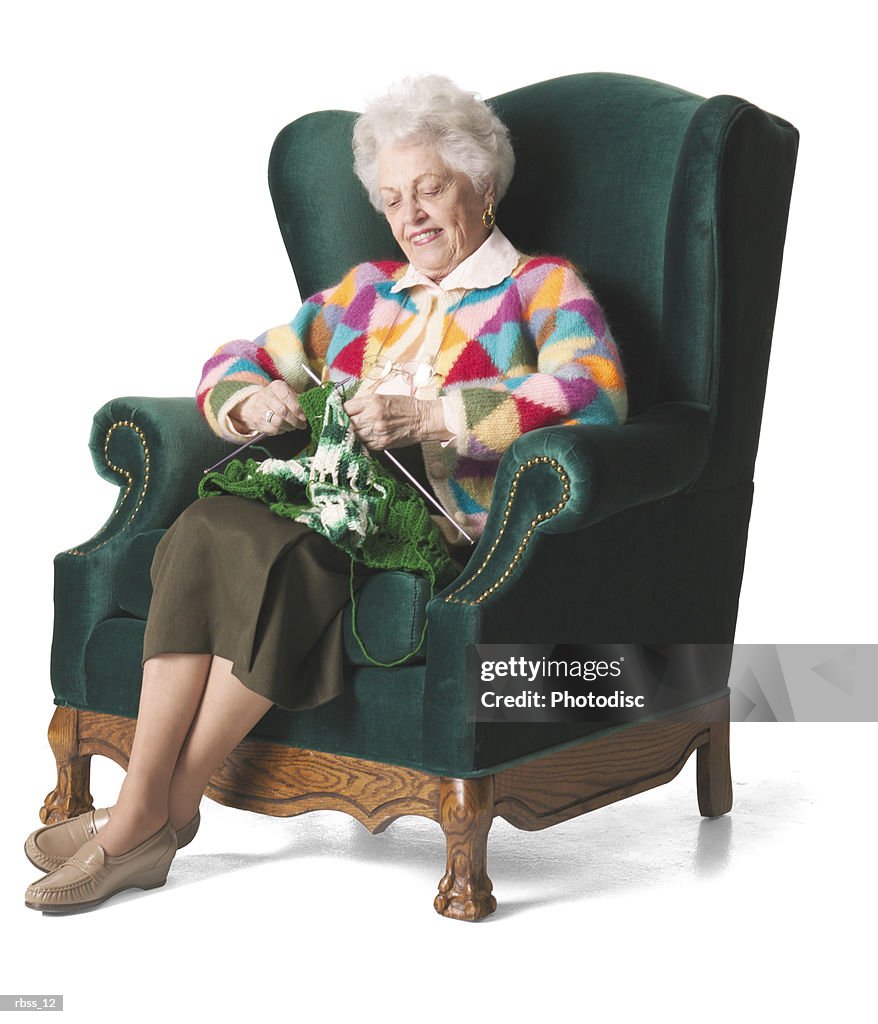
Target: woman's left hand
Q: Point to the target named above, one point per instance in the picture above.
(396, 421)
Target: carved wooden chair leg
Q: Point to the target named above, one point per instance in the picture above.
(714, 773)
(71, 796)
(466, 811)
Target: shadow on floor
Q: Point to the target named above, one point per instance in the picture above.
(655, 839)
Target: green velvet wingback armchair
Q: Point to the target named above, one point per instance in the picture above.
(675, 207)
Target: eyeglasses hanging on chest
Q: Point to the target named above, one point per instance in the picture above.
(416, 373)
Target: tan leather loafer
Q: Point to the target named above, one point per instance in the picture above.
(91, 875)
(51, 845)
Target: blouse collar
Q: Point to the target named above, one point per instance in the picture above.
(491, 263)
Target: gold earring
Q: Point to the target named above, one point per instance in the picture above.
(488, 218)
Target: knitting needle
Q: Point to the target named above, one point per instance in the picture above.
(394, 460)
(406, 473)
(231, 455)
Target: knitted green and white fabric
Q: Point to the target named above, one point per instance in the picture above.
(338, 489)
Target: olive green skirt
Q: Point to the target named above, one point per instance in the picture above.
(231, 578)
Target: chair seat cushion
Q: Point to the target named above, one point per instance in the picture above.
(377, 717)
(391, 607)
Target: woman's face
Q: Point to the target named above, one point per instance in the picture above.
(435, 214)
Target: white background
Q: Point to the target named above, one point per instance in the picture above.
(138, 234)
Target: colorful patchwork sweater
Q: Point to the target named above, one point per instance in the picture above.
(533, 351)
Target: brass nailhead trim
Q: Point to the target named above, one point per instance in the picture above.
(534, 523)
(124, 473)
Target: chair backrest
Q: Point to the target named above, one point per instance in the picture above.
(674, 207)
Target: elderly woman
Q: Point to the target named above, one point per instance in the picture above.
(453, 354)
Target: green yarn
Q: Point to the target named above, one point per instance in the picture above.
(340, 490)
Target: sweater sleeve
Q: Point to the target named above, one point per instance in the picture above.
(578, 378)
(240, 368)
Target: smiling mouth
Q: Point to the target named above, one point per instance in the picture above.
(422, 237)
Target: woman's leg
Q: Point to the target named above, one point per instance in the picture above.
(176, 687)
(226, 714)
(173, 685)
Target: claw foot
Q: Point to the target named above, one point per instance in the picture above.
(466, 809)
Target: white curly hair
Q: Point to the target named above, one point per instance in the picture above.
(432, 110)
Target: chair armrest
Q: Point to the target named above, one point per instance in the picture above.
(552, 480)
(614, 467)
(154, 450)
(558, 479)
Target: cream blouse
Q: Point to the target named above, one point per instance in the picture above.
(433, 301)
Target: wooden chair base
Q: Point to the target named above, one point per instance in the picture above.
(274, 779)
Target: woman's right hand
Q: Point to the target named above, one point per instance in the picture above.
(272, 410)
